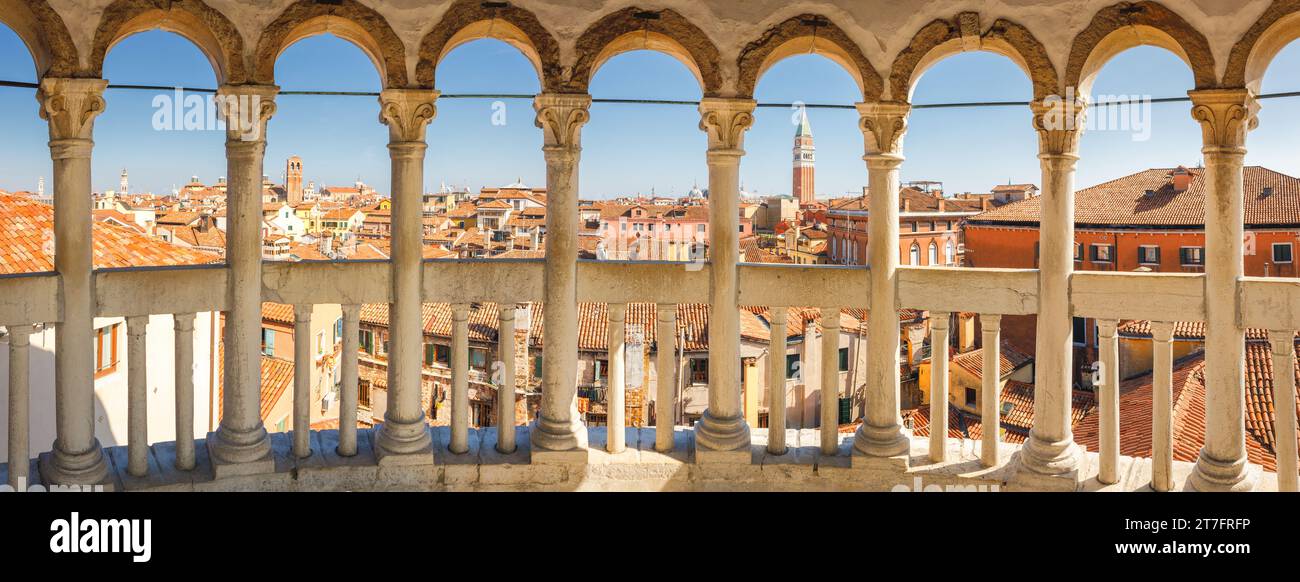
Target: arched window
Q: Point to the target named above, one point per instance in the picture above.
(948, 253)
(934, 254)
(916, 255)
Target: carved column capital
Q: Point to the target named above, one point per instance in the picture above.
(407, 113)
(246, 109)
(561, 117)
(1059, 123)
(883, 126)
(725, 122)
(1225, 116)
(70, 106)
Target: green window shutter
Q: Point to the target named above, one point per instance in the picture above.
(846, 406)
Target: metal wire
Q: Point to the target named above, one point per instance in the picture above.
(530, 96)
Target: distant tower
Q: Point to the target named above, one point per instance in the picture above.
(804, 158)
(40, 187)
(293, 180)
(122, 187)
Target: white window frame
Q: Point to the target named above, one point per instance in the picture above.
(1290, 251)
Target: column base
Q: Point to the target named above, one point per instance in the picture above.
(89, 468)
(882, 441)
(1214, 475)
(239, 460)
(1050, 467)
(707, 455)
(403, 444)
(558, 442)
(714, 434)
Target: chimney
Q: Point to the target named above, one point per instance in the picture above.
(941, 205)
(907, 205)
(984, 202)
(1181, 179)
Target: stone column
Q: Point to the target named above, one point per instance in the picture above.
(507, 349)
(558, 426)
(1225, 117)
(240, 445)
(20, 340)
(302, 365)
(991, 399)
(776, 380)
(137, 397)
(1108, 403)
(1283, 343)
(70, 106)
(404, 438)
(1050, 449)
(459, 440)
(723, 429)
(348, 401)
(615, 403)
(830, 382)
(939, 385)
(665, 375)
(1162, 405)
(183, 326)
(881, 434)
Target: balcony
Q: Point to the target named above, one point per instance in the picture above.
(721, 452)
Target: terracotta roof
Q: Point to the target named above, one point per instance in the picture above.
(1017, 404)
(1009, 360)
(1189, 410)
(26, 242)
(1271, 198)
(277, 376)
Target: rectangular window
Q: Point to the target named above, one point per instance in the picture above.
(1080, 331)
(1149, 255)
(537, 367)
(792, 366)
(913, 226)
(367, 341)
(602, 370)
(106, 349)
(429, 350)
(442, 354)
(1192, 256)
(1281, 252)
(699, 371)
(268, 342)
(320, 344)
(338, 330)
(1101, 253)
(970, 397)
(1078, 252)
(478, 358)
(844, 359)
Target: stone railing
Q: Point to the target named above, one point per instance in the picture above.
(621, 457)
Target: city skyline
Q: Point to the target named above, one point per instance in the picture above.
(630, 149)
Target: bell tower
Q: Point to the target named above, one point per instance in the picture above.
(293, 181)
(804, 159)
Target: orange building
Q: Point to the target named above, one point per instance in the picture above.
(929, 227)
(1149, 221)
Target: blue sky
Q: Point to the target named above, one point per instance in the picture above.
(628, 149)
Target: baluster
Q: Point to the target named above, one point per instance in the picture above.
(1284, 407)
(666, 375)
(776, 380)
(183, 326)
(459, 379)
(1108, 397)
(991, 399)
(830, 388)
(1162, 406)
(938, 385)
(19, 408)
(615, 411)
(348, 399)
(302, 364)
(137, 401)
(506, 348)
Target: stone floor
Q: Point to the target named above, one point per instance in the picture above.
(638, 468)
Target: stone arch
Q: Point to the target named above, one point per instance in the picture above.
(667, 32)
(942, 38)
(347, 19)
(1251, 56)
(44, 33)
(1125, 25)
(802, 34)
(203, 25)
(469, 20)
